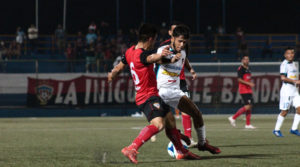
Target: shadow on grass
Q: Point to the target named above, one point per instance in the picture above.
(245, 156)
(254, 145)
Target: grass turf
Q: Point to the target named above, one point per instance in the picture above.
(97, 141)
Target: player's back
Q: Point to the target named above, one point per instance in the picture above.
(142, 75)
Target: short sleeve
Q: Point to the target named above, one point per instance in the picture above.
(144, 55)
(283, 69)
(123, 59)
(240, 72)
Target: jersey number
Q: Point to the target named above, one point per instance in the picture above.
(134, 75)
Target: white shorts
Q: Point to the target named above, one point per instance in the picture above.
(171, 96)
(287, 101)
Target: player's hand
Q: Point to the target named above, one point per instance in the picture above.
(166, 51)
(109, 77)
(194, 75)
(251, 84)
(297, 82)
(176, 57)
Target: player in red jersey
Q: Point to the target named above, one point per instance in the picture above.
(140, 59)
(245, 89)
(186, 119)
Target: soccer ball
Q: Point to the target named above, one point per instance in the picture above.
(171, 148)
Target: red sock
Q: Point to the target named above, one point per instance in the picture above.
(144, 136)
(248, 117)
(187, 125)
(239, 112)
(174, 136)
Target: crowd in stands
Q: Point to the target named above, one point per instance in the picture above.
(99, 47)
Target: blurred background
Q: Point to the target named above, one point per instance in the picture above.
(54, 55)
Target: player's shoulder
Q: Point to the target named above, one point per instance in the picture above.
(240, 68)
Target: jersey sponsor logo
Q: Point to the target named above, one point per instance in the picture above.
(293, 76)
(172, 74)
(172, 81)
(156, 105)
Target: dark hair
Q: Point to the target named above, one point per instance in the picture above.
(181, 30)
(245, 56)
(147, 31)
(288, 48)
(174, 23)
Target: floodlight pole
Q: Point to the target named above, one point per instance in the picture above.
(117, 14)
(224, 15)
(144, 11)
(37, 14)
(198, 16)
(65, 15)
(171, 11)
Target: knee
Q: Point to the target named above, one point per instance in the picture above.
(159, 124)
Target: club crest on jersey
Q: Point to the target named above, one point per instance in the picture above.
(156, 105)
(44, 93)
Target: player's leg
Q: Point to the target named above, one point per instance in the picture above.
(154, 114)
(294, 129)
(240, 111)
(187, 126)
(284, 105)
(188, 107)
(174, 135)
(248, 117)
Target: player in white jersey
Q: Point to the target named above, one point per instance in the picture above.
(289, 93)
(169, 88)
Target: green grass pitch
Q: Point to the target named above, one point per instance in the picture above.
(97, 141)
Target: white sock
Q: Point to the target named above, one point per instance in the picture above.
(201, 133)
(296, 121)
(279, 122)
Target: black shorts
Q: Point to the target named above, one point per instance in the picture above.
(154, 107)
(247, 98)
(184, 87)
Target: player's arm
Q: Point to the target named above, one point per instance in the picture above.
(189, 67)
(149, 57)
(164, 56)
(241, 80)
(246, 82)
(286, 79)
(117, 69)
(283, 75)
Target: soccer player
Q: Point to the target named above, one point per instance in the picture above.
(169, 90)
(140, 59)
(186, 119)
(289, 95)
(245, 90)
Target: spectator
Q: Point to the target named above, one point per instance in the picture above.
(33, 38)
(99, 52)
(243, 50)
(93, 27)
(59, 36)
(90, 58)
(104, 30)
(240, 36)
(267, 49)
(220, 30)
(132, 37)
(3, 56)
(14, 50)
(79, 46)
(209, 40)
(20, 36)
(91, 37)
(70, 55)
